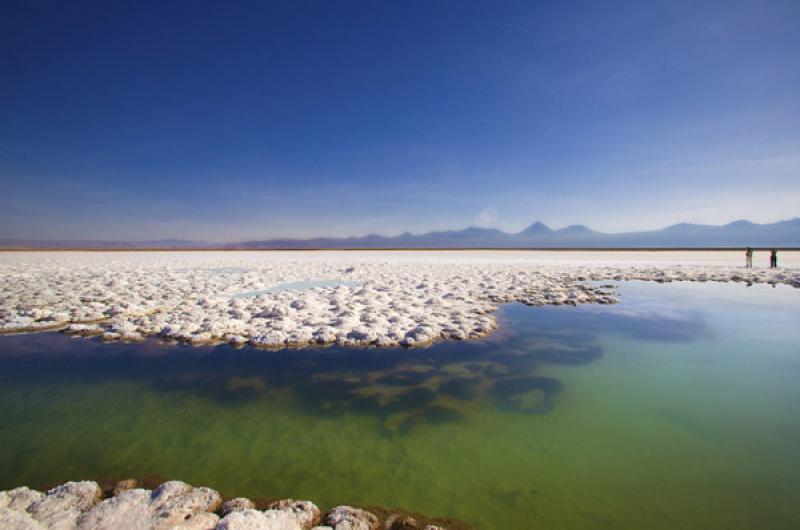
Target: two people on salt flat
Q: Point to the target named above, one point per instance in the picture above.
(773, 258)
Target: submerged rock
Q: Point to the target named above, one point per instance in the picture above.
(401, 522)
(530, 394)
(125, 485)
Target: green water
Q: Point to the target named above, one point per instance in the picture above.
(678, 408)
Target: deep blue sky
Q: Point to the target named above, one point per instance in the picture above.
(231, 120)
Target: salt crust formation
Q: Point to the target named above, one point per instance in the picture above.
(173, 505)
(390, 298)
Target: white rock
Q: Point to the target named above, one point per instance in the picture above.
(256, 520)
(174, 504)
(349, 518)
(63, 505)
(131, 507)
(17, 520)
(305, 513)
(20, 499)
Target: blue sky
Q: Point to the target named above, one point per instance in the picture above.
(235, 120)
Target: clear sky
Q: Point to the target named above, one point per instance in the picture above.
(235, 120)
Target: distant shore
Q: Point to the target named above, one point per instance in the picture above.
(400, 249)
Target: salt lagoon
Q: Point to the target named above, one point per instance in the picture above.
(674, 407)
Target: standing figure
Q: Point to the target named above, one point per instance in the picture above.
(748, 258)
(773, 259)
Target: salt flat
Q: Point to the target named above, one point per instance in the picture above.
(358, 298)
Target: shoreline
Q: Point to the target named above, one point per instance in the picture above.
(155, 503)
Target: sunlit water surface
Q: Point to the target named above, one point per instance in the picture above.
(678, 408)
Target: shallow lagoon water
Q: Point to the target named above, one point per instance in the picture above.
(678, 408)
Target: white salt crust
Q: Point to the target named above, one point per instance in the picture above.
(400, 297)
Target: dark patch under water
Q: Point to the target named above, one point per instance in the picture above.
(334, 380)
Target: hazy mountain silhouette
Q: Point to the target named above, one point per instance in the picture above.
(575, 229)
(538, 235)
(536, 229)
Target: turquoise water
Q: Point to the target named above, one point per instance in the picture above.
(678, 408)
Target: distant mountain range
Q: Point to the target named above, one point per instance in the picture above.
(538, 235)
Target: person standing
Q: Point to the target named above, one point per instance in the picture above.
(773, 258)
(748, 258)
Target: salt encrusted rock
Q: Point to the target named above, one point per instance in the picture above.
(13, 509)
(177, 502)
(125, 485)
(256, 520)
(305, 513)
(63, 505)
(349, 518)
(17, 520)
(286, 514)
(236, 505)
(174, 504)
(131, 507)
(20, 499)
(83, 329)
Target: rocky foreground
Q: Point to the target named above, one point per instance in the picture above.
(177, 505)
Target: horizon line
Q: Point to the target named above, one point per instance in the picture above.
(22, 241)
